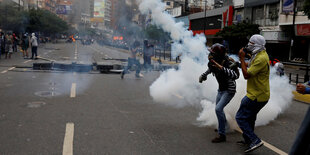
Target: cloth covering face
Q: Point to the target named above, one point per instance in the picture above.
(259, 43)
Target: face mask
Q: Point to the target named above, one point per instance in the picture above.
(250, 47)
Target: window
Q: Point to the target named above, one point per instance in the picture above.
(168, 3)
(273, 12)
(258, 13)
(300, 4)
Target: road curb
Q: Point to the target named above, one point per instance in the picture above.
(165, 61)
(301, 97)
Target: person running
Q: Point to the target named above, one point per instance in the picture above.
(148, 50)
(226, 73)
(34, 46)
(256, 72)
(132, 60)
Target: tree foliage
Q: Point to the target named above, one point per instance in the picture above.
(306, 8)
(11, 18)
(238, 35)
(30, 21)
(45, 22)
(155, 33)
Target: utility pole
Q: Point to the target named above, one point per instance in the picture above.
(293, 31)
(205, 18)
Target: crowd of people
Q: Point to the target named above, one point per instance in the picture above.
(11, 43)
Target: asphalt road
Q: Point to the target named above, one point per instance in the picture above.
(49, 112)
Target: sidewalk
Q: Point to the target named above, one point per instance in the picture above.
(295, 70)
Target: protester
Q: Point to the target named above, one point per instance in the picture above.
(258, 91)
(2, 44)
(301, 144)
(25, 45)
(220, 66)
(15, 42)
(279, 68)
(132, 60)
(8, 46)
(148, 50)
(34, 46)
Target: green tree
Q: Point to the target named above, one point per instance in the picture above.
(46, 22)
(238, 35)
(154, 33)
(11, 18)
(306, 8)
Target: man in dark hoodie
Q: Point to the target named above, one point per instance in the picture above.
(226, 73)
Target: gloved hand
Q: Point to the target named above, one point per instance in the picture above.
(202, 78)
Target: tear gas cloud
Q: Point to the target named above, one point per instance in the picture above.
(180, 88)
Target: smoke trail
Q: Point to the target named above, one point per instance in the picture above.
(181, 88)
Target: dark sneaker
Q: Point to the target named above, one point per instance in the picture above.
(254, 146)
(122, 75)
(219, 139)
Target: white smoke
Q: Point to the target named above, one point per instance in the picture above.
(181, 88)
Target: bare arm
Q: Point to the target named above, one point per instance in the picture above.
(243, 65)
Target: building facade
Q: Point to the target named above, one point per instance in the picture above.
(210, 22)
(298, 32)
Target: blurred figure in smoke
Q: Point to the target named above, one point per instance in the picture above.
(279, 68)
(2, 44)
(34, 46)
(15, 42)
(147, 54)
(301, 145)
(226, 73)
(258, 90)
(8, 45)
(132, 60)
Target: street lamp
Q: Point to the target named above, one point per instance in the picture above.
(293, 31)
(205, 18)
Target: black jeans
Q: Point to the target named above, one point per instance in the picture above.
(34, 52)
(301, 145)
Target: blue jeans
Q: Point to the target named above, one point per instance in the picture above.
(131, 62)
(246, 117)
(301, 145)
(222, 99)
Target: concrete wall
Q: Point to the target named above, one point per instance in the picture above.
(288, 19)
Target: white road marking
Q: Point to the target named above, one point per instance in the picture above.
(178, 96)
(100, 52)
(11, 68)
(4, 71)
(8, 70)
(73, 90)
(27, 61)
(68, 140)
(269, 146)
(75, 51)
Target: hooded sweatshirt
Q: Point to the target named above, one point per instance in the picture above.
(34, 40)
